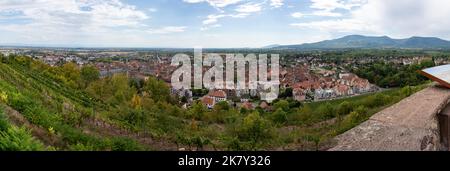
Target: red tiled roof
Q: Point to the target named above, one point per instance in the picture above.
(208, 101)
(342, 88)
(218, 93)
(264, 105)
(247, 105)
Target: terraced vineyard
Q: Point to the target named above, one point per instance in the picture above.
(58, 110)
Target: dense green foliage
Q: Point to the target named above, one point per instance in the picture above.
(13, 138)
(393, 75)
(89, 74)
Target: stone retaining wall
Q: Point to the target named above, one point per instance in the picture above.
(410, 125)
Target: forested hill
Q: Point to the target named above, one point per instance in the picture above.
(368, 42)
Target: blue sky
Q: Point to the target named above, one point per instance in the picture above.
(214, 23)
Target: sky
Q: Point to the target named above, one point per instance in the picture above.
(214, 23)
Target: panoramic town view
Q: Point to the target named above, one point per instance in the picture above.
(91, 75)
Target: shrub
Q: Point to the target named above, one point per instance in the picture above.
(282, 104)
(326, 111)
(254, 129)
(134, 117)
(20, 102)
(19, 139)
(4, 125)
(350, 121)
(197, 111)
(3, 97)
(125, 144)
(344, 108)
(81, 147)
(279, 116)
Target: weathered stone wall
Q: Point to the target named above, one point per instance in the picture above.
(410, 125)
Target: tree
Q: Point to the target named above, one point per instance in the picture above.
(361, 110)
(2, 58)
(282, 104)
(21, 60)
(294, 103)
(314, 138)
(197, 111)
(234, 143)
(255, 129)
(393, 75)
(114, 90)
(327, 111)
(243, 110)
(89, 74)
(285, 93)
(426, 64)
(200, 142)
(184, 99)
(134, 117)
(157, 90)
(279, 116)
(122, 91)
(136, 102)
(71, 73)
(302, 116)
(354, 118)
(406, 91)
(344, 108)
(376, 100)
(223, 105)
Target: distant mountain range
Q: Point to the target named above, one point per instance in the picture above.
(369, 42)
(272, 46)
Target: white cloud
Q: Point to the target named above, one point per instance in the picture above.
(330, 8)
(249, 8)
(167, 30)
(330, 5)
(327, 8)
(207, 27)
(64, 16)
(297, 15)
(212, 19)
(239, 15)
(77, 21)
(339, 25)
(325, 13)
(108, 13)
(276, 3)
(215, 3)
(241, 10)
(399, 18)
(404, 18)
